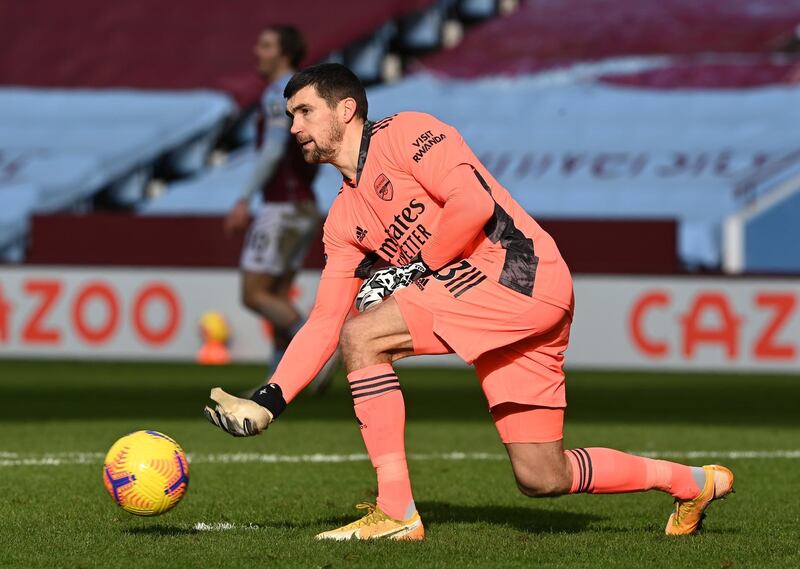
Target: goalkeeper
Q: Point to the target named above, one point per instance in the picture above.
(484, 282)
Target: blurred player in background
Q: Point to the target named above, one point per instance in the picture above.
(280, 236)
(485, 281)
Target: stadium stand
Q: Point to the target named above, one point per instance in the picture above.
(210, 49)
(654, 112)
(575, 135)
(17, 205)
(762, 237)
(589, 150)
(68, 145)
(543, 34)
(92, 125)
(710, 84)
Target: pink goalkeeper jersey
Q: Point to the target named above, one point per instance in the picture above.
(392, 212)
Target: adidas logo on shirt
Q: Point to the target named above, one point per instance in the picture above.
(360, 233)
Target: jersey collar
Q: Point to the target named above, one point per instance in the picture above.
(366, 135)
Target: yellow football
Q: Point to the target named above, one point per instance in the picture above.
(146, 473)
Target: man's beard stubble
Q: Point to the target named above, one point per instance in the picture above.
(324, 154)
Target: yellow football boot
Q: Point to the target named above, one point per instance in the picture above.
(688, 516)
(377, 525)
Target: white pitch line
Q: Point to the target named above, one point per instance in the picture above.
(8, 459)
(222, 526)
(328, 458)
(730, 454)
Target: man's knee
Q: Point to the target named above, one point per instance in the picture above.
(256, 294)
(542, 480)
(249, 299)
(537, 486)
(353, 337)
(376, 336)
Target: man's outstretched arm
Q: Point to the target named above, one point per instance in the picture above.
(310, 349)
(316, 341)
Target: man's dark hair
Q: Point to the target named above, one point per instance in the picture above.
(333, 82)
(291, 41)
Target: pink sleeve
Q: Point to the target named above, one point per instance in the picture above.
(467, 208)
(316, 341)
(435, 154)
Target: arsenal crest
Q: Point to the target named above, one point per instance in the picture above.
(383, 187)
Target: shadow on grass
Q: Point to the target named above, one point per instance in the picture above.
(522, 519)
(528, 520)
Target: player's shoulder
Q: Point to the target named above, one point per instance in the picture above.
(404, 123)
(400, 134)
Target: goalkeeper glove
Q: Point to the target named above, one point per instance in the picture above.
(385, 281)
(246, 417)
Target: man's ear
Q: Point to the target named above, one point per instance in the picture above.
(348, 109)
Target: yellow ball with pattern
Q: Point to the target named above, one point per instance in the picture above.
(146, 473)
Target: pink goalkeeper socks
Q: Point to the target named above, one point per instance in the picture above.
(381, 415)
(608, 471)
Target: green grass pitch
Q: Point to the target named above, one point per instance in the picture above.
(264, 514)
